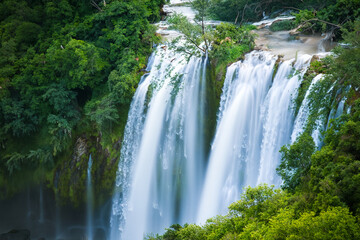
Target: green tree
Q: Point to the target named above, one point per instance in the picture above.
(172, 232)
(18, 116)
(296, 161)
(78, 64)
(334, 223)
(191, 231)
(197, 36)
(230, 43)
(192, 33)
(63, 117)
(346, 67)
(335, 169)
(202, 8)
(103, 112)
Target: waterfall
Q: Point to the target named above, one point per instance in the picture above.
(161, 177)
(57, 220)
(132, 137)
(340, 108)
(304, 111)
(167, 174)
(28, 205)
(255, 119)
(322, 120)
(41, 205)
(162, 158)
(279, 116)
(89, 203)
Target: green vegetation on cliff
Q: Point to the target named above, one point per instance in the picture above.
(230, 44)
(68, 71)
(265, 213)
(224, 44)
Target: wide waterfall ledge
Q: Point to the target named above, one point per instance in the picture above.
(167, 174)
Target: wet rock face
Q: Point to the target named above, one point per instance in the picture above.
(70, 176)
(16, 235)
(80, 149)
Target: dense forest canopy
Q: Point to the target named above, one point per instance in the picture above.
(67, 67)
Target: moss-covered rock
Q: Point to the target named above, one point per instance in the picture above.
(70, 176)
(317, 66)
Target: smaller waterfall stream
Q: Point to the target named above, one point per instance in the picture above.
(28, 206)
(89, 203)
(41, 205)
(57, 221)
(340, 108)
(303, 114)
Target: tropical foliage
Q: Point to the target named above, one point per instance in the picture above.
(67, 68)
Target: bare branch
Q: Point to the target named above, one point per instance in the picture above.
(193, 42)
(237, 16)
(94, 4)
(316, 19)
(294, 8)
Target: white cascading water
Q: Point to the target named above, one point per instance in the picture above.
(278, 116)
(132, 138)
(335, 113)
(89, 203)
(304, 111)
(57, 221)
(255, 119)
(162, 158)
(340, 108)
(161, 176)
(322, 120)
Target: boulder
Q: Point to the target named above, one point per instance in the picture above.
(21, 234)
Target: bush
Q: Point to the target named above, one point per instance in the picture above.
(282, 25)
(296, 161)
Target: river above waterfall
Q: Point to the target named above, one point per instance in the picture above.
(279, 43)
(282, 43)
